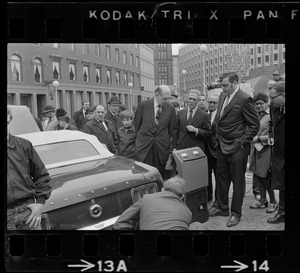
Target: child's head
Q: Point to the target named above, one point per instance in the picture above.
(127, 118)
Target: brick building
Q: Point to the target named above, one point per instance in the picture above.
(91, 72)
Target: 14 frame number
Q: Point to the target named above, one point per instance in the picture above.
(264, 266)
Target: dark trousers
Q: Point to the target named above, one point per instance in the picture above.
(255, 186)
(281, 209)
(212, 167)
(153, 160)
(231, 168)
(264, 187)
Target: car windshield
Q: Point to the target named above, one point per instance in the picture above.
(64, 151)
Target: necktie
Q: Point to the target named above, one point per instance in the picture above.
(189, 121)
(158, 112)
(225, 105)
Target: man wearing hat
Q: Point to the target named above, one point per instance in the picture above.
(127, 135)
(51, 123)
(80, 116)
(113, 112)
(276, 76)
(61, 112)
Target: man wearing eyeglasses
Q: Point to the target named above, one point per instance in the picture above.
(277, 114)
(193, 124)
(154, 123)
(237, 123)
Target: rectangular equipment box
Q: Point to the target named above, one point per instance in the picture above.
(192, 167)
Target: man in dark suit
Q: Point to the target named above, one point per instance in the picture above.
(237, 123)
(79, 116)
(210, 146)
(113, 112)
(277, 113)
(193, 124)
(154, 124)
(102, 129)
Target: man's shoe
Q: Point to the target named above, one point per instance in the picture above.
(215, 204)
(278, 218)
(233, 221)
(218, 212)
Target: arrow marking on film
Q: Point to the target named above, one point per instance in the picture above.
(86, 266)
(239, 267)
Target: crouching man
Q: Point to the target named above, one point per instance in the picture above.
(163, 210)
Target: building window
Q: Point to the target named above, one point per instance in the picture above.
(72, 73)
(108, 76)
(98, 75)
(37, 70)
(267, 59)
(275, 57)
(283, 56)
(97, 50)
(252, 61)
(85, 48)
(132, 79)
(55, 45)
(258, 60)
(138, 81)
(86, 76)
(108, 53)
(137, 61)
(259, 50)
(275, 46)
(267, 48)
(117, 78)
(72, 47)
(251, 51)
(131, 59)
(56, 70)
(16, 68)
(117, 54)
(124, 57)
(125, 80)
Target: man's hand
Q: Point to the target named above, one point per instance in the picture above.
(191, 128)
(35, 216)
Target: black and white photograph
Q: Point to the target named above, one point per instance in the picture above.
(95, 131)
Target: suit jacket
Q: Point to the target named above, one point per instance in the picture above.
(116, 120)
(157, 211)
(109, 137)
(278, 149)
(79, 119)
(185, 139)
(210, 144)
(238, 124)
(147, 133)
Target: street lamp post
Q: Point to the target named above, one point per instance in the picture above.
(130, 95)
(183, 72)
(55, 84)
(203, 50)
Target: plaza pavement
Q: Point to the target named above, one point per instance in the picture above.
(252, 219)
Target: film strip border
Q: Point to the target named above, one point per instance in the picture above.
(141, 251)
(150, 22)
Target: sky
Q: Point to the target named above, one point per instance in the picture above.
(175, 49)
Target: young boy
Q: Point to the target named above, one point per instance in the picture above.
(127, 135)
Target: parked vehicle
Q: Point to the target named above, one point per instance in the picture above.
(91, 186)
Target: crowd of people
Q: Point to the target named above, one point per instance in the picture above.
(232, 129)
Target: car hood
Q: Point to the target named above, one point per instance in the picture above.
(84, 181)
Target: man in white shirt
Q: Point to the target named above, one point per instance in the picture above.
(193, 124)
(237, 123)
(50, 124)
